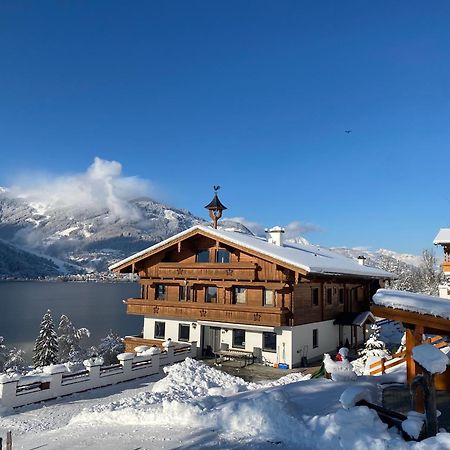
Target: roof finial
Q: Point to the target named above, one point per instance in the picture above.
(215, 207)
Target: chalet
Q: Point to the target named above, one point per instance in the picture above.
(443, 238)
(281, 300)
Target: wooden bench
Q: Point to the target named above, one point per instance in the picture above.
(240, 355)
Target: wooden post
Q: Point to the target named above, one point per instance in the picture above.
(382, 361)
(9, 440)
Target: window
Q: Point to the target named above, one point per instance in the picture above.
(160, 330)
(239, 295)
(202, 256)
(211, 294)
(222, 256)
(268, 297)
(329, 296)
(341, 296)
(183, 332)
(315, 338)
(315, 296)
(269, 342)
(160, 292)
(353, 294)
(185, 294)
(239, 338)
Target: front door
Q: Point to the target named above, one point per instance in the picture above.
(211, 340)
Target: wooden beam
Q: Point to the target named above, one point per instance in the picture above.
(439, 325)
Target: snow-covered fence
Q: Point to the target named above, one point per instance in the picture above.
(56, 382)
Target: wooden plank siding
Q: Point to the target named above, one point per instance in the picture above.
(210, 311)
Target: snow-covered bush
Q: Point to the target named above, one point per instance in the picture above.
(110, 346)
(70, 341)
(45, 350)
(373, 350)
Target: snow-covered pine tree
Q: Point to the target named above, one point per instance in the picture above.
(430, 274)
(110, 346)
(374, 349)
(3, 354)
(45, 350)
(70, 348)
(15, 361)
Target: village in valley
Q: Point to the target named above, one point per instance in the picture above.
(303, 303)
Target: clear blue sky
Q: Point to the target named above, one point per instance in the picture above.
(252, 95)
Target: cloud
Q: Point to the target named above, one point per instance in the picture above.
(292, 230)
(102, 186)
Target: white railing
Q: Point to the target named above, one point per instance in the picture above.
(55, 382)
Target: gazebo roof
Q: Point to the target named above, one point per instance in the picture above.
(215, 203)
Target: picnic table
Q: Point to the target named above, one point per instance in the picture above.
(228, 355)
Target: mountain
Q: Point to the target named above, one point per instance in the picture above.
(87, 239)
(17, 263)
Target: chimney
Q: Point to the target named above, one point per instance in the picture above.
(275, 235)
(361, 260)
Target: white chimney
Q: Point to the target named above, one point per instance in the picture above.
(362, 260)
(275, 235)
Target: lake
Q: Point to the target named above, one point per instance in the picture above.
(96, 306)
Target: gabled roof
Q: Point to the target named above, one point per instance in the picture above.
(305, 258)
(443, 237)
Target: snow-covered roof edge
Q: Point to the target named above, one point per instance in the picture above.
(362, 270)
(410, 301)
(443, 236)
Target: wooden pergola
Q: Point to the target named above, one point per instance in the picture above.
(417, 324)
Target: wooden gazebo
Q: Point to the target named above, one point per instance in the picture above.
(421, 315)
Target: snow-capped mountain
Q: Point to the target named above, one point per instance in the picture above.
(88, 239)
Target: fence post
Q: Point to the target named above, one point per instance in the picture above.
(382, 361)
(126, 359)
(9, 440)
(93, 366)
(8, 391)
(193, 350)
(170, 355)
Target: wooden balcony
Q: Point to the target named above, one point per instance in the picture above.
(215, 312)
(207, 271)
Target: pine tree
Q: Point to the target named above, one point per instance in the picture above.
(3, 354)
(45, 350)
(15, 361)
(70, 339)
(430, 274)
(110, 346)
(373, 349)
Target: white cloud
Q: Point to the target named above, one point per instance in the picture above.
(292, 230)
(102, 185)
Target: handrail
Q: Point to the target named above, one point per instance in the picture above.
(380, 366)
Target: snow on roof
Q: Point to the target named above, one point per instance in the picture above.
(308, 257)
(430, 358)
(409, 301)
(443, 237)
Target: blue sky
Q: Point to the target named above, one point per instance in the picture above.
(254, 96)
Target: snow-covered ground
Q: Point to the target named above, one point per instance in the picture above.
(196, 406)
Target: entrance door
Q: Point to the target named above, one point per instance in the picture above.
(211, 340)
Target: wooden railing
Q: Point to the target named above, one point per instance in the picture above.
(208, 271)
(380, 367)
(216, 312)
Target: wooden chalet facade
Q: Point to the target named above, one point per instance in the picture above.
(226, 288)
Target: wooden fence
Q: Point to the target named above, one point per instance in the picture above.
(380, 367)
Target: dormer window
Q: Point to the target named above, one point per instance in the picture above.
(202, 256)
(222, 256)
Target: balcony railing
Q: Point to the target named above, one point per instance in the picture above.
(216, 312)
(211, 271)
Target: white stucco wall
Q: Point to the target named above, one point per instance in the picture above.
(302, 340)
(171, 330)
